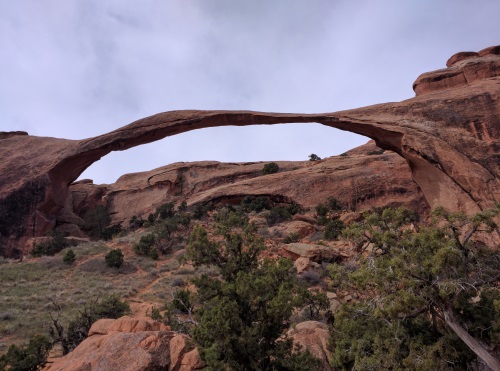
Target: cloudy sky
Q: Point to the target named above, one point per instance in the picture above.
(80, 68)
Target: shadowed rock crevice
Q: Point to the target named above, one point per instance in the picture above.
(448, 134)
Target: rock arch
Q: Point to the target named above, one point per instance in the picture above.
(448, 134)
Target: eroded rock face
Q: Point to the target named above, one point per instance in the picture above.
(362, 178)
(130, 344)
(448, 134)
(313, 336)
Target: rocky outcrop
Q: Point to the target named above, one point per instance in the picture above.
(130, 344)
(313, 336)
(464, 68)
(448, 134)
(361, 178)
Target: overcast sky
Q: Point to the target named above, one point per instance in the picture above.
(79, 68)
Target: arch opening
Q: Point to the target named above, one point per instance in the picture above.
(281, 142)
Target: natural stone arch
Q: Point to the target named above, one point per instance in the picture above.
(448, 134)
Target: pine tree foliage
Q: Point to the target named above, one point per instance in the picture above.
(432, 297)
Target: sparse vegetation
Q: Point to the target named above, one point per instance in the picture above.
(96, 224)
(256, 203)
(314, 157)
(291, 238)
(78, 328)
(376, 152)
(55, 243)
(114, 258)
(270, 168)
(69, 257)
(333, 229)
(29, 357)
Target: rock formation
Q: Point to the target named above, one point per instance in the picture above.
(314, 337)
(361, 178)
(448, 134)
(130, 344)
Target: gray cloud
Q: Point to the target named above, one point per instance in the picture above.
(76, 69)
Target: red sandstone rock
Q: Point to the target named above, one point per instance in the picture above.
(129, 344)
(449, 139)
(313, 336)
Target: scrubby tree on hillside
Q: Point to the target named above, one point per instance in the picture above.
(432, 300)
(246, 310)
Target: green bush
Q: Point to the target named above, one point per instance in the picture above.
(256, 203)
(333, 229)
(270, 168)
(70, 257)
(114, 258)
(201, 210)
(245, 311)
(28, 357)
(52, 246)
(145, 244)
(78, 328)
(182, 301)
(96, 221)
(313, 157)
(376, 152)
(135, 222)
(282, 213)
(291, 238)
(328, 211)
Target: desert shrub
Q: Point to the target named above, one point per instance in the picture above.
(135, 222)
(247, 308)
(256, 203)
(333, 229)
(52, 246)
(165, 211)
(114, 258)
(314, 157)
(328, 210)
(182, 301)
(28, 357)
(70, 257)
(229, 218)
(201, 210)
(145, 244)
(291, 238)
(96, 224)
(153, 254)
(78, 328)
(270, 168)
(311, 277)
(178, 282)
(376, 152)
(282, 213)
(182, 207)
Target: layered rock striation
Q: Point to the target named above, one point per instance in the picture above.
(448, 134)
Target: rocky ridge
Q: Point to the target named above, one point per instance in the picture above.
(363, 177)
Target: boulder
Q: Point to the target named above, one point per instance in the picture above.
(129, 344)
(313, 336)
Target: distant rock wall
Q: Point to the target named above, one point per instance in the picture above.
(362, 178)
